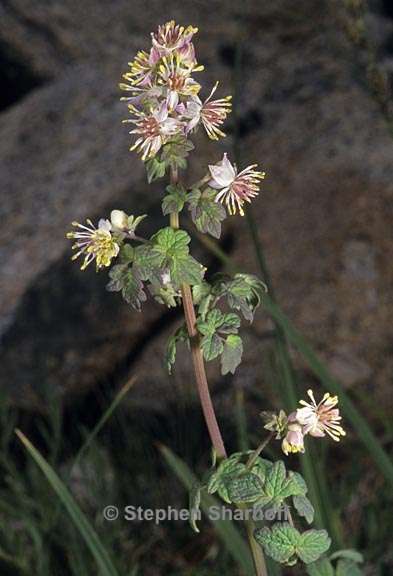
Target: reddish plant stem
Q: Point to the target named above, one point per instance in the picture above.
(197, 357)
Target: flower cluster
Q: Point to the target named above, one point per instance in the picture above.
(166, 108)
(314, 419)
(164, 99)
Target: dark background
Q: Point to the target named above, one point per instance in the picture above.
(312, 100)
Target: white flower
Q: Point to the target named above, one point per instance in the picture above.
(235, 188)
(153, 129)
(212, 113)
(119, 219)
(318, 419)
(94, 243)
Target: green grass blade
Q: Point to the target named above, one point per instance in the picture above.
(241, 421)
(104, 418)
(348, 408)
(227, 532)
(80, 521)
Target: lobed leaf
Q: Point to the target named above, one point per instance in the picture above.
(206, 213)
(232, 354)
(304, 508)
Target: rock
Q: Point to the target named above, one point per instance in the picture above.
(324, 215)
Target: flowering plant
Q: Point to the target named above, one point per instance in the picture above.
(165, 110)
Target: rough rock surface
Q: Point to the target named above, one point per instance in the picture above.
(324, 216)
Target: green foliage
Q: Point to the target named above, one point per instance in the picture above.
(175, 199)
(280, 485)
(100, 554)
(170, 250)
(232, 354)
(234, 483)
(348, 568)
(244, 489)
(285, 544)
(347, 565)
(175, 152)
(244, 292)
(304, 508)
(206, 213)
(194, 505)
(212, 327)
(163, 262)
(155, 168)
(180, 335)
(127, 281)
(133, 223)
(322, 567)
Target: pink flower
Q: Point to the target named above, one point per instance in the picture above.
(294, 438)
(320, 419)
(177, 79)
(170, 37)
(235, 188)
(212, 113)
(142, 69)
(154, 129)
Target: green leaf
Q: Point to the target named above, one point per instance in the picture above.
(244, 489)
(261, 467)
(244, 292)
(278, 486)
(180, 335)
(349, 554)
(312, 545)
(304, 508)
(174, 201)
(194, 505)
(154, 169)
(322, 567)
(206, 213)
(232, 354)
(227, 470)
(279, 542)
(202, 297)
(126, 254)
(128, 281)
(348, 568)
(230, 324)
(94, 544)
(215, 322)
(226, 530)
(170, 250)
(145, 261)
(175, 152)
(163, 293)
(133, 222)
(299, 485)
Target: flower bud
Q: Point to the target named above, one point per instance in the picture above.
(119, 219)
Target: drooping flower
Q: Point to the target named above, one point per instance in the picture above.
(322, 418)
(294, 438)
(235, 188)
(94, 243)
(153, 129)
(212, 113)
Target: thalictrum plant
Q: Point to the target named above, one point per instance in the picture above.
(166, 108)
